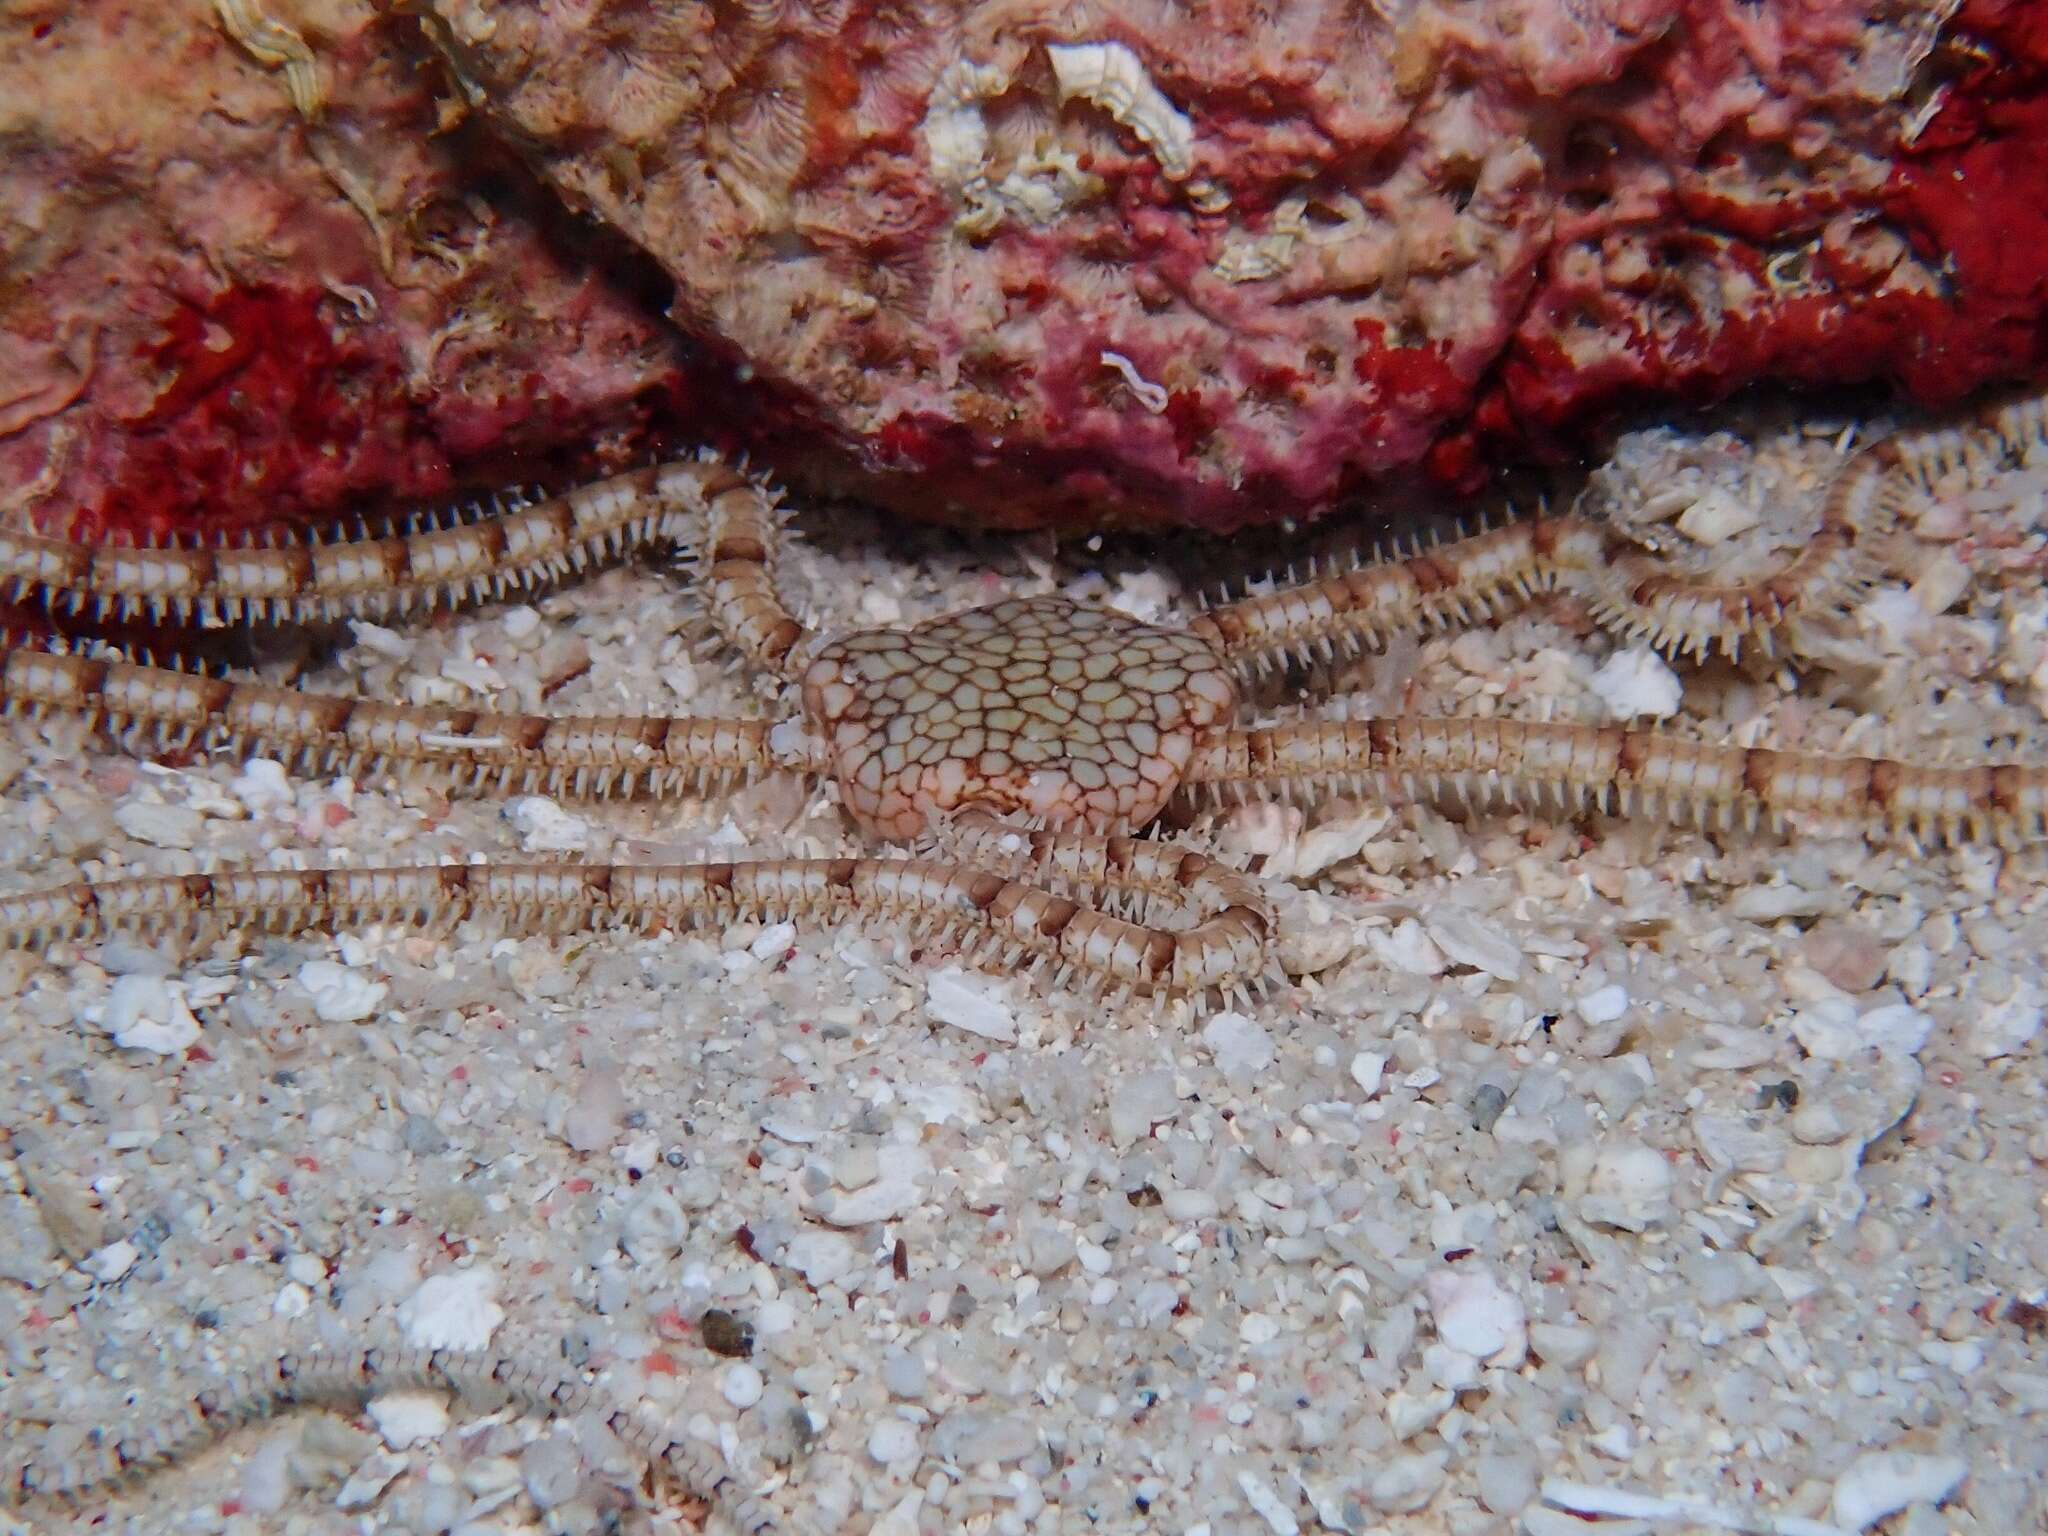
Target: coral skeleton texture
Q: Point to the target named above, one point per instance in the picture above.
(1006, 265)
(1084, 261)
(222, 305)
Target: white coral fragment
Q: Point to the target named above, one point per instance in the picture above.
(456, 1309)
(955, 134)
(1636, 682)
(147, 1013)
(1254, 258)
(1109, 76)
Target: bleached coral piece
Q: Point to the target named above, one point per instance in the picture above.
(955, 133)
(457, 1309)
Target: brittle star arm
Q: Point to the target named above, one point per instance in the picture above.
(1610, 768)
(473, 751)
(726, 520)
(1625, 586)
(348, 1379)
(1220, 919)
(981, 912)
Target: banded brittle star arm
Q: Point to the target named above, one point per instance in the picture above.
(1629, 590)
(1568, 766)
(150, 709)
(728, 522)
(347, 1380)
(1220, 919)
(983, 913)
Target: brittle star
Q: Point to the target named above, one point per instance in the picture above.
(1020, 750)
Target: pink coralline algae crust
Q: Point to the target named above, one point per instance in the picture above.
(217, 309)
(1967, 303)
(1087, 262)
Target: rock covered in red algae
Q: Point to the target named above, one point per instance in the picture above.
(1085, 261)
(242, 279)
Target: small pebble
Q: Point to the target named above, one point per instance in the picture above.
(544, 827)
(1635, 683)
(1240, 1046)
(1717, 517)
(148, 1013)
(1603, 1005)
(892, 1441)
(368, 1482)
(1368, 1070)
(1629, 1186)
(1189, 1205)
(2004, 1030)
(1137, 1102)
(742, 1386)
(1564, 1344)
(1469, 939)
(1476, 1314)
(110, 1263)
(161, 826)
(725, 1334)
(407, 1418)
(340, 995)
(262, 787)
(903, 1374)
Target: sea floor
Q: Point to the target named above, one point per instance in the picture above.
(1594, 1177)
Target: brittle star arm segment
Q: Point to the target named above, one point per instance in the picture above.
(728, 521)
(474, 751)
(1565, 766)
(1220, 919)
(981, 912)
(347, 1380)
(1627, 587)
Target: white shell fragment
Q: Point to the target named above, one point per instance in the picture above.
(1880, 1483)
(1628, 1186)
(1717, 517)
(340, 994)
(1636, 683)
(1266, 1504)
(1478, 1316)
(1603, 1005)
(741, 1385)
(110, 1263)
(544, 827)
(456, 1309)
(1469, 939)
(407, 1418)
(892, 1441)
(2004, 1030)
(148, 1013)
(368, 1482)
(160, 825)
(900, 1173)
(1833, 1029)
(971, 1001)
(262, 787)
(1240, 1045)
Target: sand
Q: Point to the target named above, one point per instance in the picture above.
(1598, 1177)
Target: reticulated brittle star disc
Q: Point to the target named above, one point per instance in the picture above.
(1074, 716)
